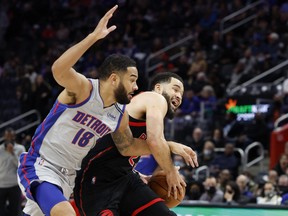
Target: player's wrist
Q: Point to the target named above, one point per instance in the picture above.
(93, 38)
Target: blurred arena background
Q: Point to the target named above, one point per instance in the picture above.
(232, 55)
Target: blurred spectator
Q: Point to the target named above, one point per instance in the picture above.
(198, 65)
(283, 184)
(242, 141)
(207, 155)
(272, 177)
(10, 194)
(252, 185)
(223, 178)
(188, 104)
(206, 102)
(249, 62)
(246, 196)
(41, 95)
(282, 165)
(232, 128)
(231, 193)
(196, 141)
(194, 190)
(212, 193)
(273, 48)
(218, 138)
(228, 160)
(201, 80)
(269, 195)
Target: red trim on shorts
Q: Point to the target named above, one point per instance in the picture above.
(137, 124)
(85, 170)
(106, 212)
(152, 202)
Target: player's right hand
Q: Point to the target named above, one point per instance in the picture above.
(175, 183)
(102, 30)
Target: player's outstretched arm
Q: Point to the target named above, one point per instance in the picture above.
(156, 109)
(186, 152)
(62, 69)
(126, 144)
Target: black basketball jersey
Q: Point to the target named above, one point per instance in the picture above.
(105, 163)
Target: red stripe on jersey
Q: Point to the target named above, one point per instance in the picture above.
(152, 202)
(137, 124)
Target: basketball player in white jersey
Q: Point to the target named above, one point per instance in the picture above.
(86, 110)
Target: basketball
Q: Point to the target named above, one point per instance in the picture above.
(159, 185)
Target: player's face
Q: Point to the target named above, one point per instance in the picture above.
(123, 93)
(173, 93)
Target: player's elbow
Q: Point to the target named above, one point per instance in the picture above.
(124, 151)
(55, 70)
(152, 143)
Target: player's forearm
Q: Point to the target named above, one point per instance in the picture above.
(72, 55)
(129, 146)
(136, 147)
(162, 154)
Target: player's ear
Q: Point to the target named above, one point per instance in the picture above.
(158, 88)
(114, 78)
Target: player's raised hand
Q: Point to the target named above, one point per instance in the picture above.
(101, 29)
(186, 152)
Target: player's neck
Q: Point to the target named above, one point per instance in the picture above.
(107, 94)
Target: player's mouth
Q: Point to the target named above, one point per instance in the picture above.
(130, 96)
(175, 103)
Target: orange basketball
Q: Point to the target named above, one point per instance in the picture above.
(159, 185)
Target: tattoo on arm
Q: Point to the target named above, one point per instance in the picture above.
(123, 139)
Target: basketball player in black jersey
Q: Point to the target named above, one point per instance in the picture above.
(107, 184)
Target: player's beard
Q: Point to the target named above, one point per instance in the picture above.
(170, 112)
(121, 94)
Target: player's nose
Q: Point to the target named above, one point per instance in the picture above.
(135, 87)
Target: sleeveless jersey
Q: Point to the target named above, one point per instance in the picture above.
(105, 163)
(70, 131)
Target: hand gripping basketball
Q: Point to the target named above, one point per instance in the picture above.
(159, 185)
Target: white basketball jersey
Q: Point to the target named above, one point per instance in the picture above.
(70, 131)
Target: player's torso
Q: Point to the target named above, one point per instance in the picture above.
(70, 131)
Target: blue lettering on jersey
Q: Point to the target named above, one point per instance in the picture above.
(90, 121)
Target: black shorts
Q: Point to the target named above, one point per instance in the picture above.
(124, 196)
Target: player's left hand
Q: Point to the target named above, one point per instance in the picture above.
(102, 30)
(186, 152)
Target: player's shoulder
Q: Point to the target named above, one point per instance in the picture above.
(149, 95)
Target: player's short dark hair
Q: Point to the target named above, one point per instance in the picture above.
(164, 77)
(115, 63)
